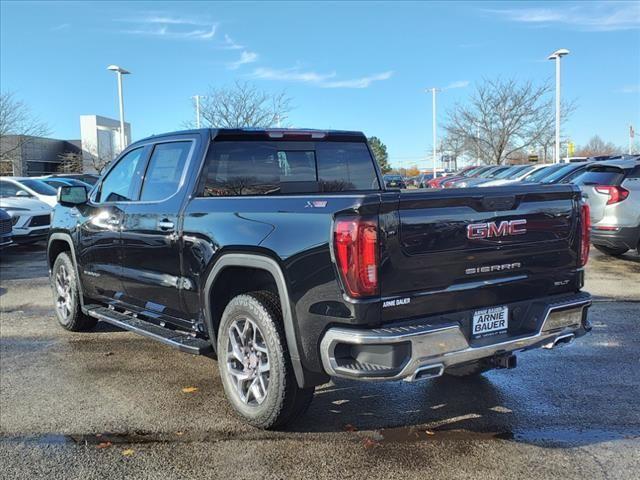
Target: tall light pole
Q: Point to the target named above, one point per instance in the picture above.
(120, 71)
(435, 145)
(556, 56)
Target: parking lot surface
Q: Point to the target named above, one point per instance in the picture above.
(110, 404)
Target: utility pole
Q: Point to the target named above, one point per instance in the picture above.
(197, 99)
(556, 56)
(631, 135)
(435, 145)
(478, 145)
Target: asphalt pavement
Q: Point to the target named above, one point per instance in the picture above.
(110, 404)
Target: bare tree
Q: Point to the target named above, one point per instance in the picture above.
(17, 126)
(70, 162)
(503, 117)
(455, 146)
(547, 141)
(243, 105)
(597, 146)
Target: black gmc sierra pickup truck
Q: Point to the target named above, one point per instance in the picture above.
(282, 253)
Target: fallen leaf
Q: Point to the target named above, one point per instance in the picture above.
(189, 389)
(104, 445)
(127, 452)
(349, 428)
(369, 443)
(429, 432)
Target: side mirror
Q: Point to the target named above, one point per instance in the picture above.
(72, 196)
(22, 193)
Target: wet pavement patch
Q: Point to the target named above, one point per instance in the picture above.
(552, 437)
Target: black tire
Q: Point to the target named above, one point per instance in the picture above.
(283, 400)
(468, 370)
(613, 251)
(68, 311)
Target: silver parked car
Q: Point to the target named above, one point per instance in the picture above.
(612, 189)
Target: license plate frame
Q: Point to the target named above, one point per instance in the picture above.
(490, 321)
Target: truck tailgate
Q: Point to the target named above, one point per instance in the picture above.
(446, 249)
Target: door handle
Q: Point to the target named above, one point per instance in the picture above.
(165, 224)
(113, 221)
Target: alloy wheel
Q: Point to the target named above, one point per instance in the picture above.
(63, 292)
(248, 361)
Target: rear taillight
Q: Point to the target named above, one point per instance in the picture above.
(585, 233)
(616, 194)
(356, 252)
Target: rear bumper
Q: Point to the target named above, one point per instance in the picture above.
(422, 351)
(624, 237)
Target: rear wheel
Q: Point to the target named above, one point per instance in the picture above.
(254, 362)
(613, 251)
(64, 285)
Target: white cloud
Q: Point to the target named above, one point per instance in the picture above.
(62, 26)
(588, 16)
(630, 89)
(245, 58)
(458, 84)
(291, 75)
(324, 80)
(230, 44)
(362, 82)
(170, 26)
(165, 19)
(165, 31)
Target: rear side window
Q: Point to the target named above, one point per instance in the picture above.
(8, 189)
(601, 176)
(273, 168)
(164, 171)
(346, 167)
(40, 187)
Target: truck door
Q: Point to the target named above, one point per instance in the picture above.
(151, 233)
(99, 229)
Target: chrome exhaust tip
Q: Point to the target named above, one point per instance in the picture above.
(425, 372)
(561, 340)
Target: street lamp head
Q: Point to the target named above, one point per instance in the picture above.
(558, 53)
(116, 68)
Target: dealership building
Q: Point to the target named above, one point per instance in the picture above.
(23, 155)
(32, 156)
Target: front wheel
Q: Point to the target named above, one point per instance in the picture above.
(66, 296)
(254, 362)
(613, 251)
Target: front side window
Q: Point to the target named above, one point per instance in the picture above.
(164, 172)
(117, 185)
(237, 168)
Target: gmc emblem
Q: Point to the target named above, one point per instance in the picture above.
(491, 229)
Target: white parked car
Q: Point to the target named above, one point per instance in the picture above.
(521, 175)
(30, 217)
(29, 188)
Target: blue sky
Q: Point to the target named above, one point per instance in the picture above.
(361, 65)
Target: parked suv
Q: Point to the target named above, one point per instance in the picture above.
(612, 189)
(283, 252)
